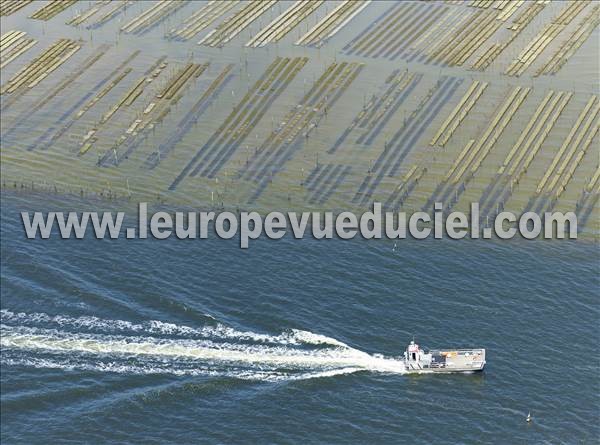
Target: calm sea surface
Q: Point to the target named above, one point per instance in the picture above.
(199, 341)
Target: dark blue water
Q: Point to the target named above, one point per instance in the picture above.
(198, 341)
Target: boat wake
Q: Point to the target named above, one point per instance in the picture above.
(154, 347)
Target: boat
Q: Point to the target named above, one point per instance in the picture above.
(420, 361)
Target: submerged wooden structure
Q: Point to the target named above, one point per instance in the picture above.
(236, 23)
(475, 152)
(244, 117)
(333, 22)
(545, 37)
(153, 114)
(12, 45)
(568, 158)
(300, 101)
(201, 19)
(284, 23)
(54, 7)
(130, 96)
(32, 74)
(99, 13)
(284, 141)
(523, 152)
(459, 113)
(8, 7)
(152, 16)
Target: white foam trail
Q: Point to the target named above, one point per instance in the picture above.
(45, 341)
(145, 369)
(294, 337)
(36, 339)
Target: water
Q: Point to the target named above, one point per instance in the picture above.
(58, 166)
(186, 341)
(289, 341)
